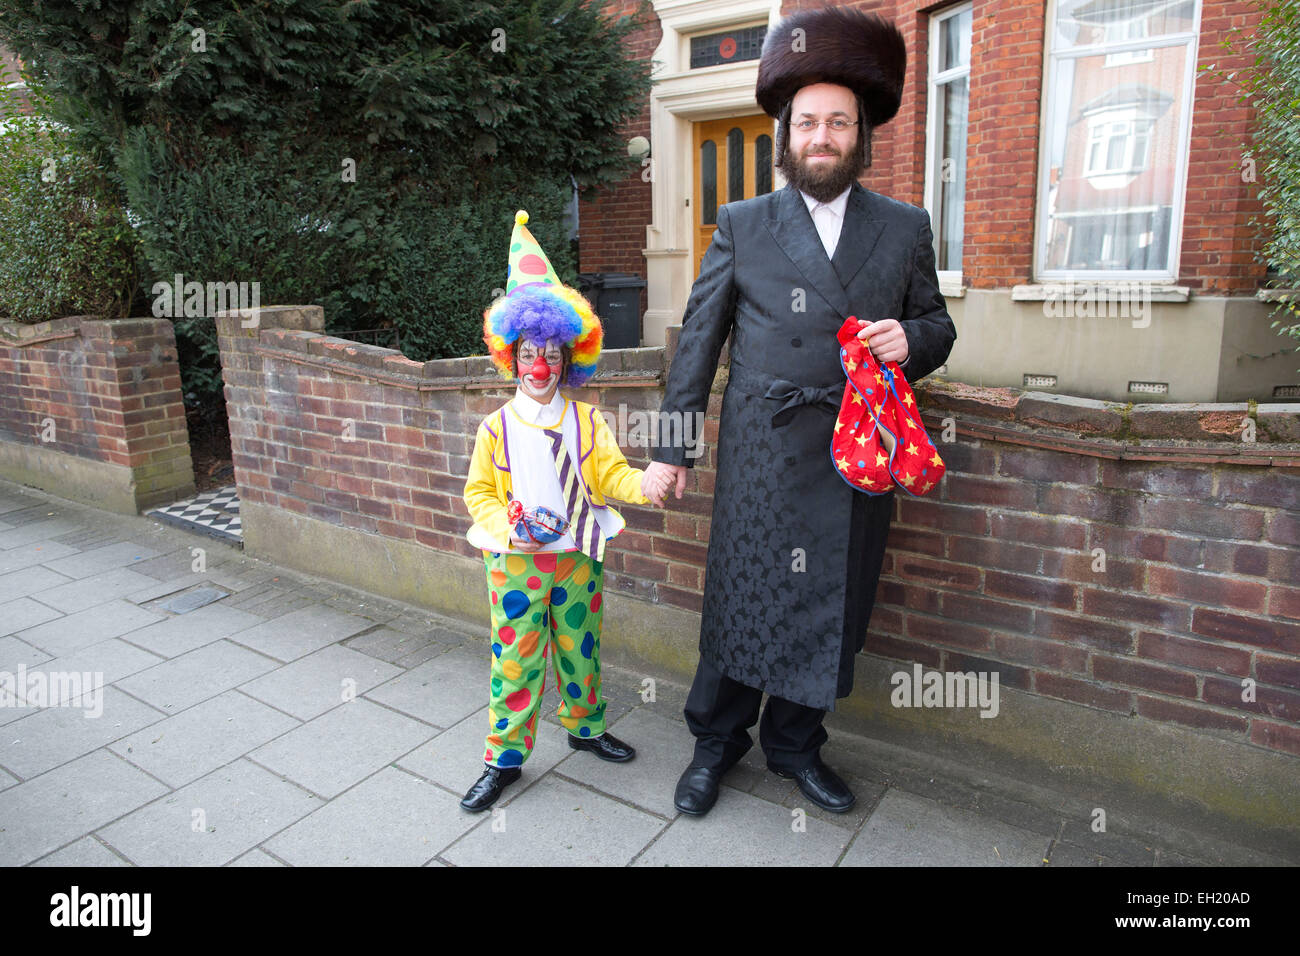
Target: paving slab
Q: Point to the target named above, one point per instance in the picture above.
(454, 758)
(556, 823)
(256, 858)
(74, 631)
(389, 819)
(910, 830)
(31, 554)
(174, 636)
(663, 750)
(744, 830)
(35, 531)
(43, 814)
(1114, 842)
(78, 594)
(180, 575)
(46, 738)
(84, 852)
(342, 747)
(443, 691)
(388, 644)
(183, 748)
(1067, 854)
(211, 821)
(105, 558)
(25, 613)
(109, 661)
(320, 681)
(29, 581)
(184, 681)
(14, 500)
(15, 653)
(298, 633)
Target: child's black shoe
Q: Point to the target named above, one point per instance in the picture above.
(488, 788)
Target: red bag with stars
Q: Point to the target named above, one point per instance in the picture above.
(879, 440)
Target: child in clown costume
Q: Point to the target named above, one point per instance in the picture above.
(544, 465)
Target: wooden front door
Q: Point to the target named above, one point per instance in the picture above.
(733, 161)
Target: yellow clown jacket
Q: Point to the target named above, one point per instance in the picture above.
(604, 471)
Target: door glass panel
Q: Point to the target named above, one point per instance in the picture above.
(709, 183)
(762, 165)
(735, 165)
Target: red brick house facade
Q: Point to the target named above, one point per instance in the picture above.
(1092, 145)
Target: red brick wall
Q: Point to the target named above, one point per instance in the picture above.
(112, 391)
(1196, 592)
(401, 471)
(1219, 245)
(993, 572)
(1007, 61)
(612, 224)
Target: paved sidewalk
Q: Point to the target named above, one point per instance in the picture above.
(294, 721)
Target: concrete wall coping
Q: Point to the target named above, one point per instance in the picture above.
(1249, 432)
(21, 335)
(296, 333)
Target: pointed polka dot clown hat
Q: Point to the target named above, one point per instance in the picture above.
(538, 308)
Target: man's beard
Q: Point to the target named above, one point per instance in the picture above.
(822, 180)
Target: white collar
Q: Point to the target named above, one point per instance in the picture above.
(836, 205)
(535, 413)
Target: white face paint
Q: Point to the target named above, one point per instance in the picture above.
(540, 388)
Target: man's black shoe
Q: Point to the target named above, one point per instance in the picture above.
(484, 793)
(606, 747)
(697, 790)
(821, 785)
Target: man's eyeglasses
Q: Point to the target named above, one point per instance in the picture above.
(834, 125)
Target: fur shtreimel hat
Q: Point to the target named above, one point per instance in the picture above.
(859, 50)
(538, 308)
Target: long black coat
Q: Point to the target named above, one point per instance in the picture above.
(794, 552)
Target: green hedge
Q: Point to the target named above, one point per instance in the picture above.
(66, 247)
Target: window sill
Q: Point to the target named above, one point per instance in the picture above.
(1076, 290)
(950, 286)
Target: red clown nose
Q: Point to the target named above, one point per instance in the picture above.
(540, 370)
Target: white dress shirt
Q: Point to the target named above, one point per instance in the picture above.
(828, 217)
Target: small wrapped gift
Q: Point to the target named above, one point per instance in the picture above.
(539, 525)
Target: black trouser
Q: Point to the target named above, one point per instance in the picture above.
(720, 711)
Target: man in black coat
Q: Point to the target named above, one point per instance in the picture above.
(794, 551)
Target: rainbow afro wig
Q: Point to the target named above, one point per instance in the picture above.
(538, 308)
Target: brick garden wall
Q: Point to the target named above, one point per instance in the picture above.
(1139, 561)
(1199, 528)
(103, 393)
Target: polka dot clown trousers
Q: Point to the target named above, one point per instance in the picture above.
(544, 604)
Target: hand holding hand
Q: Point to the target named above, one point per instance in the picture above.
(886, 339)
(658, 478)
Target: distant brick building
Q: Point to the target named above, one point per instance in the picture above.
(1089, 187)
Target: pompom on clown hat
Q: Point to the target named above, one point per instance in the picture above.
(538, 308)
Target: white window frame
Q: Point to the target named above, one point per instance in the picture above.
(950, 280)
(1125, 57)
(1190, 40)
(1136, 129)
